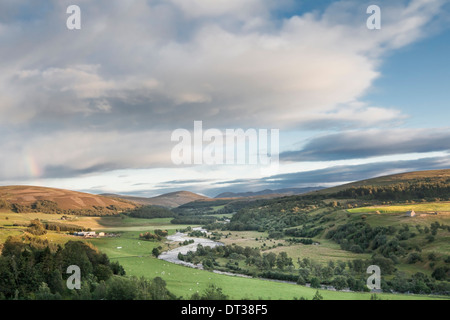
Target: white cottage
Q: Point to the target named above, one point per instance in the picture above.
(410, 213)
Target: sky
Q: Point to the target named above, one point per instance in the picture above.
(94, 109)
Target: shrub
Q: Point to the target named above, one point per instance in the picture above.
(315, 283)
(36, 228)
(413, 258)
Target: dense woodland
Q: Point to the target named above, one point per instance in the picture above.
(428, 189)
(276, 215)
(36, 270)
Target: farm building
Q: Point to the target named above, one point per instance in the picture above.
(85, 233)
(410, 213)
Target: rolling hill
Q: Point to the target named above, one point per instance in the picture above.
(414, 177)
(279, 192)
(64, 199)
(167, 200)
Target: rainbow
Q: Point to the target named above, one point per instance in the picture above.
(33, 168)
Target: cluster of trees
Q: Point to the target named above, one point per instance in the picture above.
(275, 214)
(389, 241)
(360, 237)
(59, 227)
(36, 228)
(418, 283)
(304, 241)
(26, 267)
(212, 292)
(157, 235)
(197, 233)
(45, 206)
(36, 270)
(234, 254)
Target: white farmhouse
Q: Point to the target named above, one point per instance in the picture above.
(410, 213)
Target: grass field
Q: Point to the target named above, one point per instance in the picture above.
(134, 255)
(322, 253)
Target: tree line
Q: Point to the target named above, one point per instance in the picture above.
(430, 190)
(51, 207)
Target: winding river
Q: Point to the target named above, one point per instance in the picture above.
(172, 255)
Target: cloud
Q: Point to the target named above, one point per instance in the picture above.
(89, 98)
(72, 153)
(218, 8)
(371, 143)
(305, 68)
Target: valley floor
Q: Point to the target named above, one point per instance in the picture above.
(135, 256)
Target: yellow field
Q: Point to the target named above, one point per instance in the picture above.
(8, 219)
(442, 208)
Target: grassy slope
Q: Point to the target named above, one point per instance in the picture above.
(168, 200)
(66, 199)
(390, 179)
(8, 218)
(395, 216)
(390, 216)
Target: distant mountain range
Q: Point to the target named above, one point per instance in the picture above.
(281, 192)
(178, 198)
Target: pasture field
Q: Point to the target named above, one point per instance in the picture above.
(8, 228)
(325, 251)
(135, 256)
